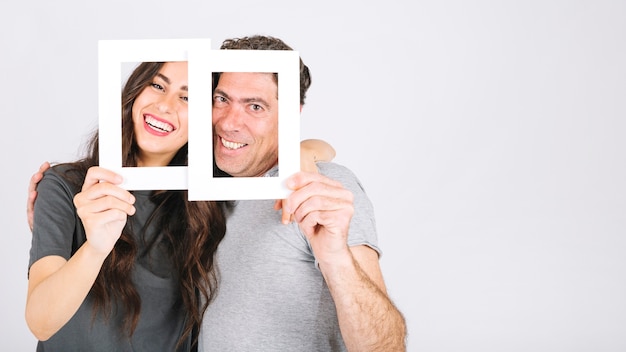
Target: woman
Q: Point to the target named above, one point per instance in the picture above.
(115, 271)
(103, 280)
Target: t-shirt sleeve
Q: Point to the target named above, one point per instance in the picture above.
(55, 219)
(363, 223)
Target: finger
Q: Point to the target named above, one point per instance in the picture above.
(37, 176)
(92, 221)
(285, 218)
(32, 193)
(341, 205)
(301, 182)
(44, 166)
(97, 174)
(104, 190)
(30, 209)
(86, 207)
(108, 216)
(327, 189)
(312, 220)
(30, 202)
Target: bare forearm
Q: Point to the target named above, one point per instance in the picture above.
(368, 319)
(54, 300)
(312, 151)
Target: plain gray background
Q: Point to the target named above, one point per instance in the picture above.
(490, 136)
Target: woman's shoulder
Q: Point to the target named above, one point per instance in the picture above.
(69, 175)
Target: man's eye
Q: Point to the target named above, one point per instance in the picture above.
(186, 99)
(256, 107)
(219, 99)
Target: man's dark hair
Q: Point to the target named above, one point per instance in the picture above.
(259, 42)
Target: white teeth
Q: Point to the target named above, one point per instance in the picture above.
(231, 145)
(163, 126)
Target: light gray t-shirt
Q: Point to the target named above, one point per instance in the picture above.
(271, 295)
(58, 231)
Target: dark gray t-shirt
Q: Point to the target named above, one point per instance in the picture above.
(58, 231)
(271, 295)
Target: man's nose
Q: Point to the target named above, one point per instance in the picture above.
(231, 118)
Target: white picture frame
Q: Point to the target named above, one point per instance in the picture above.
(202, 183)
(111, 55)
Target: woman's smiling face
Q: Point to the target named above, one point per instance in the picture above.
(160, 115)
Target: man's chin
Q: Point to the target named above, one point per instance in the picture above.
(228, 169)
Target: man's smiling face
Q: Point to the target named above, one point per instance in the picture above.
(245, 123)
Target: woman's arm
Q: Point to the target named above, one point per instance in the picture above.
(56, 286)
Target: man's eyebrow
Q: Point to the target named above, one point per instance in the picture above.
(256, 100)
(167, 80)
(222, 93)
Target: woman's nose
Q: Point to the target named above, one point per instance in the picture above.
(166, 103)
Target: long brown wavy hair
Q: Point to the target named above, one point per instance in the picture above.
(190, 230)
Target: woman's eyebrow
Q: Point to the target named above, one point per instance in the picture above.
(167, 80)
(164, 77)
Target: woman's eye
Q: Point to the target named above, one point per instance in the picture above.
(156, 86)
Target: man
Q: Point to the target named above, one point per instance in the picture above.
(311, 285)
